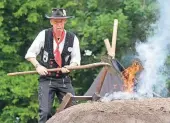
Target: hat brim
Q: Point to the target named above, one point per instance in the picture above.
(59, 17)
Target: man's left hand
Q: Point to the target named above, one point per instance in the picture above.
(64, 69)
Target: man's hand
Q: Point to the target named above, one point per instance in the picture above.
(41, 70)
(64, 69)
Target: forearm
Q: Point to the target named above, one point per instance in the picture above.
(34, 61)
(40, 69)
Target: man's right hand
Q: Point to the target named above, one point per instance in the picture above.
(41, 70)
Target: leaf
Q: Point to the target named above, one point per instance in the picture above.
(33, 17)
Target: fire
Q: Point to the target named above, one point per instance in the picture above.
(128, 76)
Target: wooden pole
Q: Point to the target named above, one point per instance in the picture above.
(66, 101)
(59, 69)
(114, 36)
(107, 44)
(112, 49)
(101, 81)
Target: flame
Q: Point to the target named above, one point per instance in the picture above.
(128, 76)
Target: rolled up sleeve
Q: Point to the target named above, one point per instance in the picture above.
(75, 55)
(36, 46)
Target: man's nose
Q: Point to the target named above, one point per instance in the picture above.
(59, 24)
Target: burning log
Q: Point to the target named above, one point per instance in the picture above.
(128, 75)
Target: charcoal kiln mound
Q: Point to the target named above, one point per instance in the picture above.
(154, 110)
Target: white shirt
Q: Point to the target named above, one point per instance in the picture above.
(39, 41)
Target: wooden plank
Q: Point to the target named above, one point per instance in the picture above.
(82, 97)
(101, 81)
(109, 48)
(112, 49)
(107, 44)
(114, 37)
(66, 101)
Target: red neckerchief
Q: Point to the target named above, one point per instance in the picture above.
(57, 54)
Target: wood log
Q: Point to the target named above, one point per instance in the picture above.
(59, 69)
(114, 37)
(112, 49)
(101, 81)
(82, 98)
(66, 101)
(107, 44)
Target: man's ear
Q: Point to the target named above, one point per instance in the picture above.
(51, 22)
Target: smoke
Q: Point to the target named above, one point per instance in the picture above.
(153, 55)
(120, 95)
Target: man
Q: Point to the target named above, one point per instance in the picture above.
(58, 48)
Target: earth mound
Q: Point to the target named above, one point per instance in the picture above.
(153, 110)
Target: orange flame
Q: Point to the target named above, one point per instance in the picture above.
(128, 76)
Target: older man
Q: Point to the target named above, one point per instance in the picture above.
(58, 48)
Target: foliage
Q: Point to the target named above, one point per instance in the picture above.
(20, 22)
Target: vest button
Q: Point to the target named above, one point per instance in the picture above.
(51, 62)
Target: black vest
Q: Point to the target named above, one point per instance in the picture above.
(47, 55)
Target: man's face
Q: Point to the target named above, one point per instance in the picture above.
(58, 23)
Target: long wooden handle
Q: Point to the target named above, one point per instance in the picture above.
(114, 36)
(59, 69)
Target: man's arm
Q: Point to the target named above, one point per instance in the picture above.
(75, 55)
(39, 68)
(34, 50)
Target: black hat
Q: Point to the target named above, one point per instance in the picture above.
(58, 14)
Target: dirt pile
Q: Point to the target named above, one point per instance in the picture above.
(155, 110)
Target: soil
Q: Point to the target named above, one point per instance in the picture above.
(154, 110)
